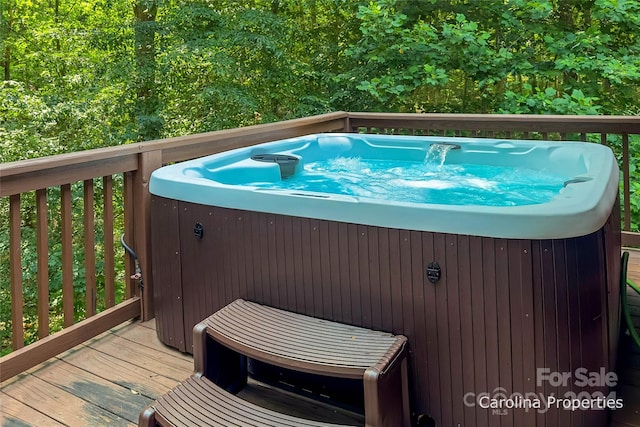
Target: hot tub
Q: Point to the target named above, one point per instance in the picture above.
(496, 281)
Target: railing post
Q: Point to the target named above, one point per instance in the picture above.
(347, 124)
(626, 182)
(147, 163)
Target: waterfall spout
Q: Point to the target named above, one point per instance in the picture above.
(438, 152)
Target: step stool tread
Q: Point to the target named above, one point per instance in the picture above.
(297, 340)
(199, 402)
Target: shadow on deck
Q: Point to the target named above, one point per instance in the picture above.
(109, 379)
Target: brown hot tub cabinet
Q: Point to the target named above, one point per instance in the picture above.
(481, 314)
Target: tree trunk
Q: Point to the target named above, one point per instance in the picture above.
(147, 103)
(6, 62)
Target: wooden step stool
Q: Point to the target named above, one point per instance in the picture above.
(242, 329)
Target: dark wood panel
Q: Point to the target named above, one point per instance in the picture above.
(502, 308)
(479, 330)
(167, 272)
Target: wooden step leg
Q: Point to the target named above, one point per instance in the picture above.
(209, 356)
(147, 417)
(386, 395)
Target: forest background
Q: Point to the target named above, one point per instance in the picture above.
(83, 74)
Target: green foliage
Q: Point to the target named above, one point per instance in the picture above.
(519, 56)
(82, 74)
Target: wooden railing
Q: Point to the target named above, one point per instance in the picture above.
(132, 165)
(122, 173)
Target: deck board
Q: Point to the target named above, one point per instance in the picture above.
(628, 368)
(108, 379)
(101, 382)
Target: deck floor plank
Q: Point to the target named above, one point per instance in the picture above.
(628, 368)
(100, 382)
(633, 271)
(15, 413)
(60, 405)
(122, 372)
(145, 357)
(116, 399)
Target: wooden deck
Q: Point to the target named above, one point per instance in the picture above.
(629, 361)
(107, 380)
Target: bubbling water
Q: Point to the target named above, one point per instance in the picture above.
(431, 181)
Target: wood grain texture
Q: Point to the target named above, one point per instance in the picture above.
(42, 246)
(67, 255)
(136, 344)
(521, 293)
(27, 357)
(89, 249)
(74, 412)
(109, 258)
(15, 271)
(14, 412)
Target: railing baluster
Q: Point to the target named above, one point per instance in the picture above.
(583, 136)
(109, 284)
(42, 248)
(626, 184)
(89, 249)
(129, 289)
(67, 255)
(15, 271)
(603, 138)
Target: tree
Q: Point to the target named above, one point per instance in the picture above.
(147, 100)
(520, 56)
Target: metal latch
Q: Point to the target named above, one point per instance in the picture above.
(433, 272)
(198, 231)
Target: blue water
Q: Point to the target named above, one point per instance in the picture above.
(432, 181)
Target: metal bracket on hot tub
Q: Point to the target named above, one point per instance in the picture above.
(198, 231)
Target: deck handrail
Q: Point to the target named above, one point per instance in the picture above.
(135, 163)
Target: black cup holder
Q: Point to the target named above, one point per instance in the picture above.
(286, 162)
